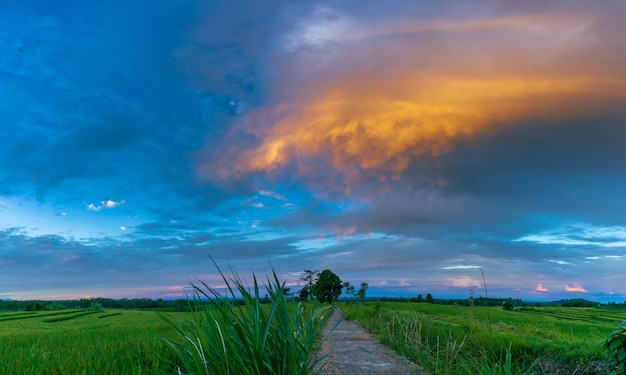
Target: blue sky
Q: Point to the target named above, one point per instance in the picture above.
(405, 144)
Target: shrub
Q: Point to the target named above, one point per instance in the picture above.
(507, 304)
(616, 344)
(96, 307)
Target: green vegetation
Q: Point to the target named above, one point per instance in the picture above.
(107, 303)
(80, 343)
(242, 332)
(108, 315)
(350, 291)
(65, 317)
(453, 339)
(328, 287)
(504, 366)
(309, 278)
(616, 344)
(225, 336)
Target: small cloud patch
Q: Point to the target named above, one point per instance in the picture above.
(541, 288)
(575, 288)
(106, 204)
(272, 194)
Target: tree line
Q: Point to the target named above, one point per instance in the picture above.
(123, 303)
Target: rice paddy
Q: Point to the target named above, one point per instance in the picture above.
(447, 339)
(77, 341)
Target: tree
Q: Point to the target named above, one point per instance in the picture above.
(507, 304)
(328, 287)
(304, 294)
(349, 289)
(429, 298)
(309, 278)
(362, 291)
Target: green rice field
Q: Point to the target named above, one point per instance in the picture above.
(452, 339)
(84, 342)
(445, 339)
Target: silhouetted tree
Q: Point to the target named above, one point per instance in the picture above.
(362, 291)
(304, 294)
(349, 289)
(310, 278)
(429, 298)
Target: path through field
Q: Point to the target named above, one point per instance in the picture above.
(351, 350)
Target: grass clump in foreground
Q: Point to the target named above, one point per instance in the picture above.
(226, 336)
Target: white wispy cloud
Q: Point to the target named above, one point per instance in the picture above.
(93, 207)
(459, 267)
(106, 204)
(379, 283)
(272, 194)
(561, 262)
(580, 235)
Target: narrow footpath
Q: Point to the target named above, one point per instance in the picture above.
(349, 350)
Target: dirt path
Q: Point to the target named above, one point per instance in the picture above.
(349, 349)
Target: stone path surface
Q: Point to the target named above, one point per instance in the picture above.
(349, 349)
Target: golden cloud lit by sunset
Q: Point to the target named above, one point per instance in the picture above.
(372, 110)
(370, 131)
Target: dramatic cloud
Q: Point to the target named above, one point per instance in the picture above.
(433, 147)
(389, 96)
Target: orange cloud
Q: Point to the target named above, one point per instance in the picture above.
(384, 101)
(576, 288)
(379, 131)
(540, 288)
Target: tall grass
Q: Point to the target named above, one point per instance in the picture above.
(503, 366)
(228, 337)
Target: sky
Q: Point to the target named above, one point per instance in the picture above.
(418, 146)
